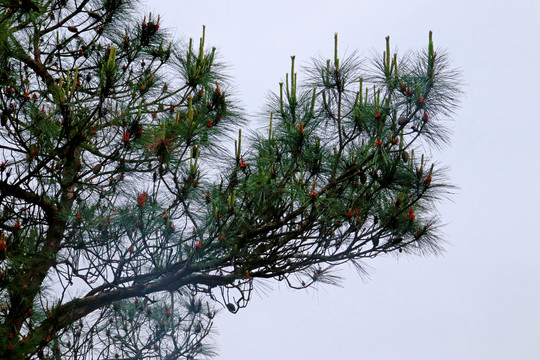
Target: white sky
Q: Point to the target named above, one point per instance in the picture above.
(481, 300)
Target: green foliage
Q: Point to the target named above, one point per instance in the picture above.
(124, 221)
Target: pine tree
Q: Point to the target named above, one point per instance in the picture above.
(125, 223)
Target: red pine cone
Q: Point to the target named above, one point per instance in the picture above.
(313, 193)
(242, 163)
(410, 214)
(142, 199)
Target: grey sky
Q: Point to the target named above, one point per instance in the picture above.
(481, 300)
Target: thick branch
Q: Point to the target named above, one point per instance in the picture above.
(76, 309)
(30, 197)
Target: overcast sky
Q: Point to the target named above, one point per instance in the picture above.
(481, 299)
